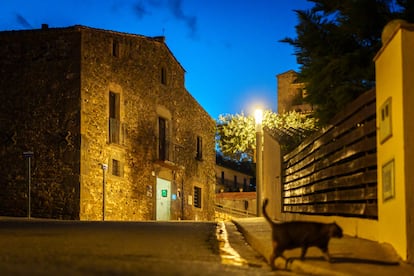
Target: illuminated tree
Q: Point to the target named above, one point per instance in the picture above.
(236, 134)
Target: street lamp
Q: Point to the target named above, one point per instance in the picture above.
(28, 155)
(104, 168)
(258, 116)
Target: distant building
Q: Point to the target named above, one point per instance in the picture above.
(114, 132)
(291, 94)
(231, 180)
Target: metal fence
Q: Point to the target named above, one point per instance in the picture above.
(233, 212)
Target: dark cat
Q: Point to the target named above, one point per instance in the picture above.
(300, 234)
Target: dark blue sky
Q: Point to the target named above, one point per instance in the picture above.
(229, 48)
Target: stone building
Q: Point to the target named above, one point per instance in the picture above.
(291, 94)
(114, 132)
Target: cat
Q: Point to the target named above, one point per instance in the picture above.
(300, 234)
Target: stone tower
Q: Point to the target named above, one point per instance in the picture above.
(290, 94)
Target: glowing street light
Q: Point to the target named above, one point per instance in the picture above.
(258, 116)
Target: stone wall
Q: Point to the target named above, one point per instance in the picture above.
(236, 204)
(39, 111)
(135, 73)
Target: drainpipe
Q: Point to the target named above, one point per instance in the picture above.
(182, 198)
(104, 168)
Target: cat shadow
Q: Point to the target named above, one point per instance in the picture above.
(336, 260)
(362, 261)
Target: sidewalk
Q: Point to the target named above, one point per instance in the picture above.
(350, 256)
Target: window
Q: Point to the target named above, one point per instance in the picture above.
(113, 105)
(115, 48)
(199, 154)
(298, 97)
(163, 152)
(114, 118)
(116, 167)
(197, 197)
(385, 126)
(163, 75)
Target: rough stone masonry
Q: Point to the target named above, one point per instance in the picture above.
(80, 97)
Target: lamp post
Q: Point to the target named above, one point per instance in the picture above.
(104, 168)
(28, 155)
(258, 116)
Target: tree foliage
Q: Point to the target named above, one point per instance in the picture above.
(335, 46)
(236, 134)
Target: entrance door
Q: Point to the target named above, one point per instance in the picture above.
(163, 199)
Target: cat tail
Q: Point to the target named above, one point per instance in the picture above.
(265, 202)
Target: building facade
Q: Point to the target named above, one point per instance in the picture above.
(230, 180)
(114, 133)
(291, 94)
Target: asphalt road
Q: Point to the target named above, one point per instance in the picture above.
(42, 247)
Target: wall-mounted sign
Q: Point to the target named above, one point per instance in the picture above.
(388, 186)
(28, 154)
(164, 193)
(385, 126)
(149, 190)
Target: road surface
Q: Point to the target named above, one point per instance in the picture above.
(49, 247)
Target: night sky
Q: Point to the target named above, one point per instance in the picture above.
(230, 49)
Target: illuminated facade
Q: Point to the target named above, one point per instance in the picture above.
(114, 132)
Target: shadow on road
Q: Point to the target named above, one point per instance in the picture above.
(347, 260)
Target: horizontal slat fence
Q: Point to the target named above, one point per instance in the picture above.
(334, 172)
